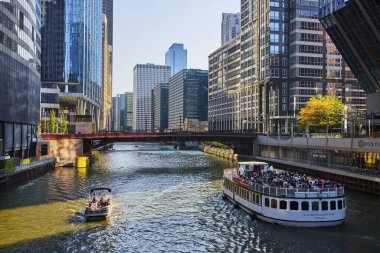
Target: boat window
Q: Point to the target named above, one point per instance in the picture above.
(257, 198)
(266, 202)
(340, 205)
(274, 203)
(333, 205)
(344, 203)
(315, 206)
(294, 205)
(283, 204)
(325, 206)
(305, 206)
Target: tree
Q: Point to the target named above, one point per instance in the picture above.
(321, 112)
(63, 125)
(52, 123)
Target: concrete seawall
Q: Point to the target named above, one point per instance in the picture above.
(28, 172)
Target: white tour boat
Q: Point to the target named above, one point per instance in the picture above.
(99, 206)
(284, 198)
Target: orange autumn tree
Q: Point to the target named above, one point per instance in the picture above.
(320, 111)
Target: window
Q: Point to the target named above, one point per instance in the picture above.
(283, 204)
(274, 49)
(274, 203)
(284, 61)
(274, 26)
(315, 206)
(266, 202)
(325, 206)
(284, 73)
(340, 204)
(333, 205)
(305, 206)
(294, 205)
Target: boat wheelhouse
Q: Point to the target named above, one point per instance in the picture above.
(284, 198)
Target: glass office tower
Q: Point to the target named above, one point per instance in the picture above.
(176, 58)
(188, 100)
(19, 76)
(72, 56)
(354, 27)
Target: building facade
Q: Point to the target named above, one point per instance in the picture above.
(188, 100)
(128, 111)
(160, 107)
(176, 58)
(118, 112)
(285, 59)
(354, 28)
(224, 88)
(72, 58)
(145, 78)
(106, 104)
(20, 50)
(108, 11)
(230, 27)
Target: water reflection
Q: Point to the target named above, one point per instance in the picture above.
(165, 201)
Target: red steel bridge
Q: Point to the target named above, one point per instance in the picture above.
(239, 141)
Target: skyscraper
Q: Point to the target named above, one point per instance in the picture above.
(354, 27)
(188, 96)
(108, 10)
(118, 112)
(128, 111)
(72, 57)
(176, 58)
(106, 104)
(160, 106)
(285, 59)
(19, 77)
(145, 77)
(230, 26)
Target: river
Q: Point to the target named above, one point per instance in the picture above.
(165, 201)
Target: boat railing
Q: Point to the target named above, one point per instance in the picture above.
(290, 192)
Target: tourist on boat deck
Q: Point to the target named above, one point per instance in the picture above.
(288, 180)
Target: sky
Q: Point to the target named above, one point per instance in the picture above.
(144, 30)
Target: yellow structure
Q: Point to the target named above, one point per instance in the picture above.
(105, 110)
(96, 154)
(81, 162)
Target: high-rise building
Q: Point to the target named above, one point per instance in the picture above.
(354, 27)
(106, 104)
(230, 27)
(145, 77)
(224, 88)
(176, 58)
(285, 59)
(19, 77)
(160, 107)
(108, 10)
(119, 120)
(188, 98)
(128, 111)
(72, 59)
(107, 64)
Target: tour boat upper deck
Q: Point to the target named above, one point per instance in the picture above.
(262, 178)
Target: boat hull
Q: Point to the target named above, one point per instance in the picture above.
(98, 214)
(279, 217)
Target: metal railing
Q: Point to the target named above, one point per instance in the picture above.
(287, 192)
(45, 160)
(343, 168)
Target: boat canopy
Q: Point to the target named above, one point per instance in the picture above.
(101, 189)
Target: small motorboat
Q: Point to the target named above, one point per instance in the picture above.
(99, 206)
